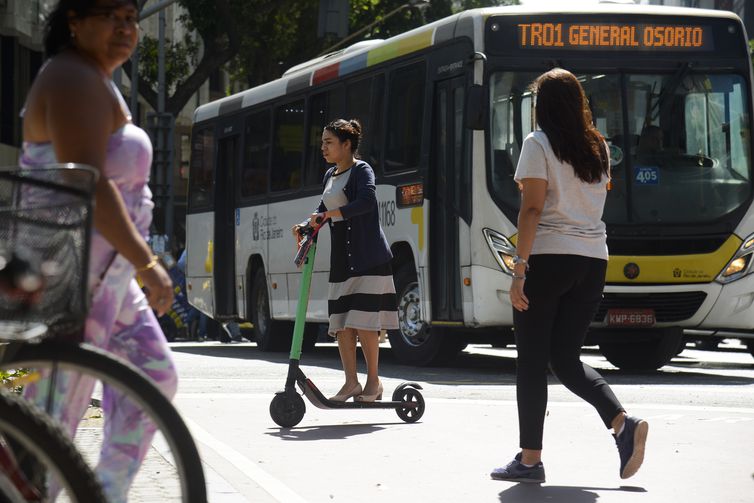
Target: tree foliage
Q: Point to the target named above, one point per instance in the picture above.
(257, 40)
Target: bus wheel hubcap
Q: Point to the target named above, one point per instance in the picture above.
(409, 316)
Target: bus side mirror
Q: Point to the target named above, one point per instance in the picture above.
(476, 107)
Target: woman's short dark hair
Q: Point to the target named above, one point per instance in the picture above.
(346, 130)
(563, 113)
(57, 33)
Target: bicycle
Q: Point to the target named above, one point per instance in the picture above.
(49, 222)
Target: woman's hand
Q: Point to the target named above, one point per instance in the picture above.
(519, 301)
(317, 218)
(158, 287)
(296, 231)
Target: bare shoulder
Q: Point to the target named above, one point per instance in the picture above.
(67, 91)
(68, 78)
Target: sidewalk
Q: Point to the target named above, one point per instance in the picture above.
(157, 480)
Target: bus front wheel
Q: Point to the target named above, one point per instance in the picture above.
(415, 343)
(650, 352)
(269, 334)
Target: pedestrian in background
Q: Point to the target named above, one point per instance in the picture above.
(75, 113)
(560, 264)
(361, 297)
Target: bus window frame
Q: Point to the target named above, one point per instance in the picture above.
(369, 131)
(276, 195)
(242, 200)
(425, 122)
(314, 91)
(196, 129)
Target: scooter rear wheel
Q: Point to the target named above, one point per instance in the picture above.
(287, 409)
(412, 395)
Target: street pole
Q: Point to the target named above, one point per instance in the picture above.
(160, 124)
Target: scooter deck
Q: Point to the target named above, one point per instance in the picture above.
(315, 396)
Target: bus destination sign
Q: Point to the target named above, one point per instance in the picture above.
(614, 36)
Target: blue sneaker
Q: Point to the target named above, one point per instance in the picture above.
(516, 472)
(631, 443)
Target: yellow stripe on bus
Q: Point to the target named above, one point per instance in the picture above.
(417, 217)
(673, 269)
(400, 47)
(669, 269)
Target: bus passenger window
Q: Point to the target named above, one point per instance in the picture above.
(288, 148)
(358, 98)
(405, 117)
(323, 108)
(201, 170)
(256, 156)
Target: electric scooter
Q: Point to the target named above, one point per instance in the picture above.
(287, 407)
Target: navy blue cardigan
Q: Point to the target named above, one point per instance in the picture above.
(366, 246)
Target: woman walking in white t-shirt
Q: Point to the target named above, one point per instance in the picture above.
(559, 273)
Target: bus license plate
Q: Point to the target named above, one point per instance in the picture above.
(631, 317)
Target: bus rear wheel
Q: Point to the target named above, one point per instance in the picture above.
(415, 343)
(649, 353)
(269, 334)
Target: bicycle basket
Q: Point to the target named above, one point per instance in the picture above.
(45, 225)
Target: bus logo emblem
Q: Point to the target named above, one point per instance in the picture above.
(631, 270)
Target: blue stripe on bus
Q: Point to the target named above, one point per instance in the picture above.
(353, 64)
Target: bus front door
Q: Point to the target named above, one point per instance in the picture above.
(448, 159)
(224, 253)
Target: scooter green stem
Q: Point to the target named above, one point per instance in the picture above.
(303, 302)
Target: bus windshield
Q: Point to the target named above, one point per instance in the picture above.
(680, 154)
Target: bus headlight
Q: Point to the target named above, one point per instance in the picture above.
(502, 249)
(740, 265)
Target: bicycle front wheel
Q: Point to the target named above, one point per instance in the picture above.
(43, 444)
(88, 361)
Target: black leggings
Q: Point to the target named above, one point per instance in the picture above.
(564, 292)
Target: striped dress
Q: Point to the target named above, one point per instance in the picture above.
(365, 300)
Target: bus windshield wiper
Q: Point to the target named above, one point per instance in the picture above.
(669, 89)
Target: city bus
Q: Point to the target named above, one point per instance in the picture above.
(445, 109)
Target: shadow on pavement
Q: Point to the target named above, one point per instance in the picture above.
(481, 369)
(534, 493)
(329, 432)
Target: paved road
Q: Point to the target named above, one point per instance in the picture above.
(700, 408)
(701, 444)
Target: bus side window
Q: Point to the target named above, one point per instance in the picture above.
(405, 117)
(358, 100)
(201, 171)
(256, 158)
(373, 148)
(288, 148)
(323, 108)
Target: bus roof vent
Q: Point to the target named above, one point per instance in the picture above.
(305, 64)
(363, 44)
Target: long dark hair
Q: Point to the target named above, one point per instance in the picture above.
(57, 33)
(562, 111)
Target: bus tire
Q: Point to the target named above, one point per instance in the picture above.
(647, 354)
(415, 343)
(269, 334)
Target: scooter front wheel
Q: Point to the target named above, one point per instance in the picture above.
(287, 409)
(409, 414)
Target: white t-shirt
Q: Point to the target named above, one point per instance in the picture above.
(571, 221)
